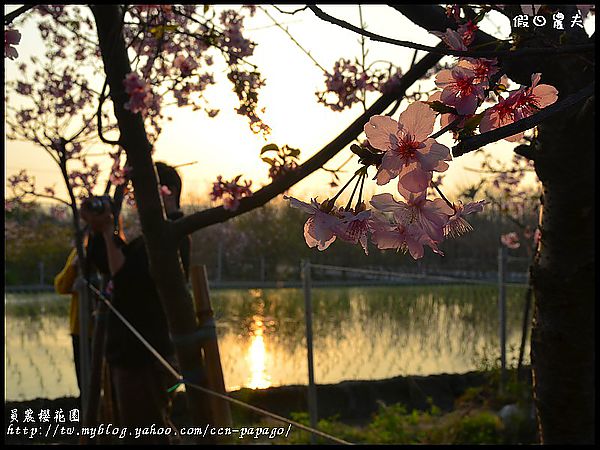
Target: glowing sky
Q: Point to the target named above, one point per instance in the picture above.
(225, 145)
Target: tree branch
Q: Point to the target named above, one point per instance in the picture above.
(99, 114)
(475, 142)
(443, 51)
(286, 31)
(8, 19)
(189, 224)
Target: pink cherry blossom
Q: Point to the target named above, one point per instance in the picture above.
(185, 65)
(429, 215)
(11, 37)
(453, 11)
(118, 175)
(467, 32)
(510, 240)
(165, 191)
(354, 228)
(518, 105)
(140, 97)
(320, 228)
(457, 225)
(451, 38)
(401, 237)
(230, 191)
(483, 69)
(448, 118)
(409, 153)
(460, 89)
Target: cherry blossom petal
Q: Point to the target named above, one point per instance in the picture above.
(465, 105)
(385, 202)
(417, 120)
(382, 132)
(414, 180)
(444, 77)
(434, 216)
(545, 95)
(432, 156)
(389, 168)
(515, 137)
(295, 203)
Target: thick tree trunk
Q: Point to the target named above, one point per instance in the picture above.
(161, 242)
(562, 345)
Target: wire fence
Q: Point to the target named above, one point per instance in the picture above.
(182, 380)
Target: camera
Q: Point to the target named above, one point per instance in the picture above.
(97, 204)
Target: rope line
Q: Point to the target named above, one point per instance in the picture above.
(182, 380)
(409, 275)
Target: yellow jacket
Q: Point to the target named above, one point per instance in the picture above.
(63, 284)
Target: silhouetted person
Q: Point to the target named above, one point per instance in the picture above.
(140, 381)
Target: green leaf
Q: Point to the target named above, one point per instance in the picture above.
(269, 161)
(473, 122)
(361, 151)
(439, 107)
(293, 152)
(206, 7)
(269, 148)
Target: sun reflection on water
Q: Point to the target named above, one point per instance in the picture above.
(257, 356)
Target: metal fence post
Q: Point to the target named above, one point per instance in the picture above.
(41, 267)
(220, 263)
(502, 312)
(312, 392)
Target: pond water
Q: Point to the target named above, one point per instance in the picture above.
(360, 333)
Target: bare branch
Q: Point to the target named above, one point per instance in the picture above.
(99, 114)
(475, 142)
(286, 31)
(8, 19)
(289, 12)
(189, 224)
(525, 52)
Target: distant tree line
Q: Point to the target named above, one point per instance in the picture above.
(265, 244)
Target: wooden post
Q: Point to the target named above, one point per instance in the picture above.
(96, 367)
(312, 391)
(220, 408)
(502, 312)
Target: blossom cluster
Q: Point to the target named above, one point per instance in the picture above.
(185, 57)
(409, 154)
(11, 38)
(473, 80)
(407, 150)
(349, 82)
(118, 175)
(283, 161)
(230, 191)
(232, 39)
(140, 96)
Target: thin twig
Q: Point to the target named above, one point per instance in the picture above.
(473, 143)
(289, 12)
(438, 133)
(192, 222)
(285, 30)
(435, 186)
(525, 52)
(8, 19)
